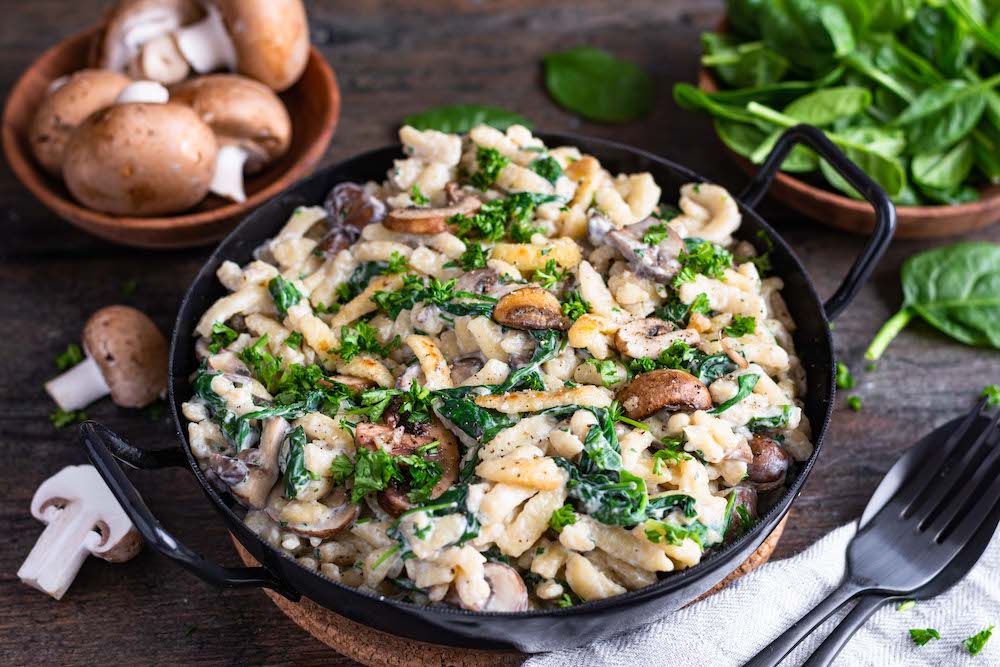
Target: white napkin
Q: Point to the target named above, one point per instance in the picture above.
(729, 627)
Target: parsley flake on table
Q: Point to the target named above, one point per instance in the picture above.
(844, 378)
(62, 418)
(976, 642)
(906, 605)
(922, 636)
(854, 403)
(992, 395)
(71, 356)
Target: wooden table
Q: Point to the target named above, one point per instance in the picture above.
(390, 62)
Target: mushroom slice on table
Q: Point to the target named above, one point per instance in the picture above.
(423, 220)
(250, 123)
(530, 308)
(252, 473)
(661, 389)
(656, 261)
(267, 40)
(769, 466)
(127, 159)
(68, 103)
(650, 336)
(350, 209)
(83, 518)
(312, 518)
(126, 357)
(507, 590)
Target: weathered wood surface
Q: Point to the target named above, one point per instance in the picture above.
(390, 61)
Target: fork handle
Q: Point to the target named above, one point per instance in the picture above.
(775, 652)
(835, 642)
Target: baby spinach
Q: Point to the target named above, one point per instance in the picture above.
(946, 170)
(284, 293)
(597, 86)
(955, 289)
(460, 118)
(292, 463)
(745, 385)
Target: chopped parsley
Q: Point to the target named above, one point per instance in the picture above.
(490, 163)
(922, 636)
(474, 257)
(358, 280)
(655, 234)
(415, 403)
(548, 168)
(608, 370)
(551, 275)
(702, 257)
(976, 642)
(284, 293)
(418, 198)
(562, 517)
(741, 326)
(372, 471)
(673, 534)
(62, 418)
(679, 313)
(992, 395)
(70, 357)
(854, 403)
(680, 355)
(294, 340)
(906, 605)
(573, 306)
(671, 454)
(362, 338)
(500, 218)
(844, 378)
(397, 263)
(222, 336)
(433, 292)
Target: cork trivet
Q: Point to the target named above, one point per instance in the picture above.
(377, 649)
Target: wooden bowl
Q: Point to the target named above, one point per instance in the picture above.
(857, 217)
(313, 104)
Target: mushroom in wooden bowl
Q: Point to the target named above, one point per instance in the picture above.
(305, 87)
(927, 134)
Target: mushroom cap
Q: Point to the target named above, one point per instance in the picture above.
(130, 23)
(141, 159)
(530, 308)
(240, 111)
(271, 38)
(665, 388)
(60, 113)
(131, 353)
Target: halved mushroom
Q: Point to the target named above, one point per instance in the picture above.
(530, 308)
(769, 466)
(132, 26)
(650, 336)
(657, 261)
(312, 518)
(350, 208)
(663, 389)
(746, 497)
(419, 220)
(478, 281)
(252, 473)
(354, 384)
(507, 590)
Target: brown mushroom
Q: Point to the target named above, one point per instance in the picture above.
(140, 159)
(507, 590)
(312, 518)
(67, 105)
(250, 123)
(420, 220)
(354, 384)
(349, 210)
(746, 497)
(252, 473)
(267, 40)
(656, 261)
(530, 308)
(398, 442)
(663, 389)
(650, 336)
(135, 38)
(769, 466)
(126, 357)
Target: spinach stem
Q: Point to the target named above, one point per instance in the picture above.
(888, 332)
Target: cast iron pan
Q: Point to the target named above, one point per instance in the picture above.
(529, 631)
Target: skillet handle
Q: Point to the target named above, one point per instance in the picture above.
(885, 212)
(103, 447)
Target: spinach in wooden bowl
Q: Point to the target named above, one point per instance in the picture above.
(908, 89)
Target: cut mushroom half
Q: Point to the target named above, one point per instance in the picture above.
(133, 25)
(650, 336)
(206, 45)
(126, 356)
(312, 518)
(417, 220)
(530, 308)
(507, 590)
(663, 389)
(252, 473)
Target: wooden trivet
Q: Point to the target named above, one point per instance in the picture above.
(378, 649)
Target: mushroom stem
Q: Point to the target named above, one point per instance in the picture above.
(79, 386)
(228, 178)
(206, 45)
(159, 59)
(143, 91)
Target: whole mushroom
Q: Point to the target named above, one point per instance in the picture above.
(250, 123)
(126, 356)
(68, 103)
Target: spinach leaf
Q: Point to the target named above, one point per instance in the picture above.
(548, 168)
(742, 65)
(745, 384)
(954, 288)
(597, 86)
(944, 171)
(284, 293)
(292, 463)
(660, 506)
(460, 118)
(827, 105)
(943, 115)
(548, 344)
(775, 423)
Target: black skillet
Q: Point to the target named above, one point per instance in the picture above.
(530, 631)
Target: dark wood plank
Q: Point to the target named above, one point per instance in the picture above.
(390, 61)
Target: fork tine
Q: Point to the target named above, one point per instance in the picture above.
(988, 470)
(943, 494)
(909, 494)
(978, 514)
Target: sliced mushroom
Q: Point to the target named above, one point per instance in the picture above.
(733, 355)
(664, 389)
(650, 336)
(745, 497)
(530, 308)
(350, 209)
(312, 518)
(252, 473)
(417, 220)
(507, 590)
(464, 368)
(454, 193)
(478, 281)
(413, 373)
(657, 262)
(769, 466)
(354, 384)
(598, 227)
